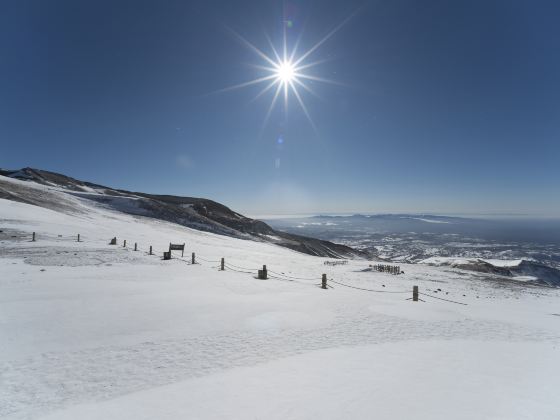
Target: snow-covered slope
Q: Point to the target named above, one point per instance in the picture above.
(94, 331)
(52, 190)
(520, 270)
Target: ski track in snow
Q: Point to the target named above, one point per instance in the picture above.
(41, 384)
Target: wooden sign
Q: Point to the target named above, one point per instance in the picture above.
(177, 247)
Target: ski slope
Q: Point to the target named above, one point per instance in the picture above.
(93, 331)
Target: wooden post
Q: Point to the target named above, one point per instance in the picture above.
(33, 240)
(415, 293)
(193, 261)
(222, 265)
(150, 250)
(124, 244)
(135, 246)
(264, 272)
(183, 250)
(324, 282)
(78, 237)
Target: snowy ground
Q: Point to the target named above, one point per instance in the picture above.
(93, 331)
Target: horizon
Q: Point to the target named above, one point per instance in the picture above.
(319, 213)
(435, 108)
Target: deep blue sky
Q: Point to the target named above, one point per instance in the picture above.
(444, 106)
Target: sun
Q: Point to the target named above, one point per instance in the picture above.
(285, 72)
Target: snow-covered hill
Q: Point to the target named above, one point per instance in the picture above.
(519, 270)
(56, 191)
(91, 331)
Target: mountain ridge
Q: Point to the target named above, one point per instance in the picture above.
(194, 212)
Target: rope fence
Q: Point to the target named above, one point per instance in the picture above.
(292, 277)
(447, 300)
(264, 274)
(368, 290)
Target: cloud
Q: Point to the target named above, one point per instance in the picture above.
(185, 162)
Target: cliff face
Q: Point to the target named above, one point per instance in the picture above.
(198, 213)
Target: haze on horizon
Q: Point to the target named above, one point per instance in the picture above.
(436, 107)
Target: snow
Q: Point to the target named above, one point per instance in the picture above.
(444, 380)
(503, 263)
(87, 189)
(318, 224)
(430, 220)
(455, 260)
(93, 331)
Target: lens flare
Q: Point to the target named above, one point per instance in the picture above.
(285, 72)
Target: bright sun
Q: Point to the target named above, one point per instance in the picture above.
(286, 72)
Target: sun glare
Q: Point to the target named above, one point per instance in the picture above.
(286, 72)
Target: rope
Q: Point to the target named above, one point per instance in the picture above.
(205, 260)
(285, 277)
(295, 281)
(238, 271)
(183, 259)
(447, 300)
(291, 277)
(367, 290)
(243, 268)
(280, 278)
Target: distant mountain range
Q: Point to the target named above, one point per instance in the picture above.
(529, 271)
(524, 250)
(197, 213)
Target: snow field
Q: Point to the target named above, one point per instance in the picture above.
(425, 380)
(90, 330)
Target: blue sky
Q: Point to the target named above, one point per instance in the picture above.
(440, 106)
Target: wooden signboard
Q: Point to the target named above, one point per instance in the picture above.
(177, 247)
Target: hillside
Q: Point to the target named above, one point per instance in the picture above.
(59, 191)
(94, 331)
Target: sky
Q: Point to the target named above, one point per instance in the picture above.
(434, 107)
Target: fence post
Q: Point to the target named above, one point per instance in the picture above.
(193, 261)
(222, 265)
(150, 250)
(124, 244)
(265, 274)
(78, 237)
(415, 293)
(33, 239)
(324, 282)
(135, 246)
